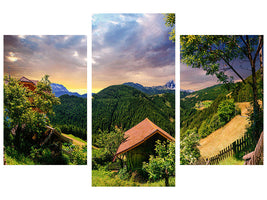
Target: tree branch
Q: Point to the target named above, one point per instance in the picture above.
(232, 68)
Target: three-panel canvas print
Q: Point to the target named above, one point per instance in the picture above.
(139, 117)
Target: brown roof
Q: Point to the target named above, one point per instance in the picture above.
(139, 134)
(24, 79)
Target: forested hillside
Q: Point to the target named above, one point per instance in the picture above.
(124, 106)
(71, 116)
(199, 119)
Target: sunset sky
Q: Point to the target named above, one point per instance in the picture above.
(62, 57)
(196, 79)
(131, 48)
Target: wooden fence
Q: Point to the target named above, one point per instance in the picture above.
(232, 149)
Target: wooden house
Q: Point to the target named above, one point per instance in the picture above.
(140, 142)
(30, 84)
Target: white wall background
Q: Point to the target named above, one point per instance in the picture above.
(51, 17)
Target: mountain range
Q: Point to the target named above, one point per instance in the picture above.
(169, 87)
(60, 90)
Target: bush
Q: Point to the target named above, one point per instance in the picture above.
(124, 174)
(189, 153)
(79, 155)
(226, 110)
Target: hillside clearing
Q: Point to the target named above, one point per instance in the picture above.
(76, 140)
(221, 138)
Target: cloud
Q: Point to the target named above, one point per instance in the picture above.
(127, 47)
(62, 57)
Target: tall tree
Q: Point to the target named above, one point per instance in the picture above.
(24, 108)
(216, 54)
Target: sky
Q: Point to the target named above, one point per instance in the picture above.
(196, 79)
(62, 57)
(131, 48)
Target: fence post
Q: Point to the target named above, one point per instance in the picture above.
(234, 147)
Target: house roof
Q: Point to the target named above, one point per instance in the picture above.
(139, 134)
(24, 79)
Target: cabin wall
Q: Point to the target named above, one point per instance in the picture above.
(141, 153)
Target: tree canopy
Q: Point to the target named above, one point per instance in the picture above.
(26, 109)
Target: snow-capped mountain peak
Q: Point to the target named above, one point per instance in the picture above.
(170, 85)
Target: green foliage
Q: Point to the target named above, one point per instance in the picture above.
(191, 118)
(13, 157)
(226, 110)
(124, 106)
(107, 143)
(16, 102)
(107, 178)
(207, 51)
(163, 165)
(210, 125)
(71, 116)
(244, 92)
(170, 22)
(189, 153)
(124, 174)
(79, 155)
(43, 98)
(26, 110)
(215, 55)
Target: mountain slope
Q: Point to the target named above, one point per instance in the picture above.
(223, 137)
(124, 106)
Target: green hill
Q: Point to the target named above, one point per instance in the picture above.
(71, 116)
(191, 118)
(124, 106)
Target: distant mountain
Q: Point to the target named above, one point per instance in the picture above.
(184, 93)
(188, 91)
(60, 90)
(169, 87)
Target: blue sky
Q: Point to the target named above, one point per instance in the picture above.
(63, 57)
(131, 48)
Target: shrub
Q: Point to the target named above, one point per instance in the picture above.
(189, 153)
(226, 110)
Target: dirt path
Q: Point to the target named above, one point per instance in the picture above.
(224, 136)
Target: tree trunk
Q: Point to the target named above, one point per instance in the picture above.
(167, 181)
(261, 68)
(255, 101)
(166, 178)
(261, 59)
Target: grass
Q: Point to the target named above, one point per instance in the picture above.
(203, 104)
(14, 158)
(76, 140)
(231, 161)
(106, 178)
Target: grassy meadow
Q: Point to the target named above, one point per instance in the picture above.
(109, 178)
